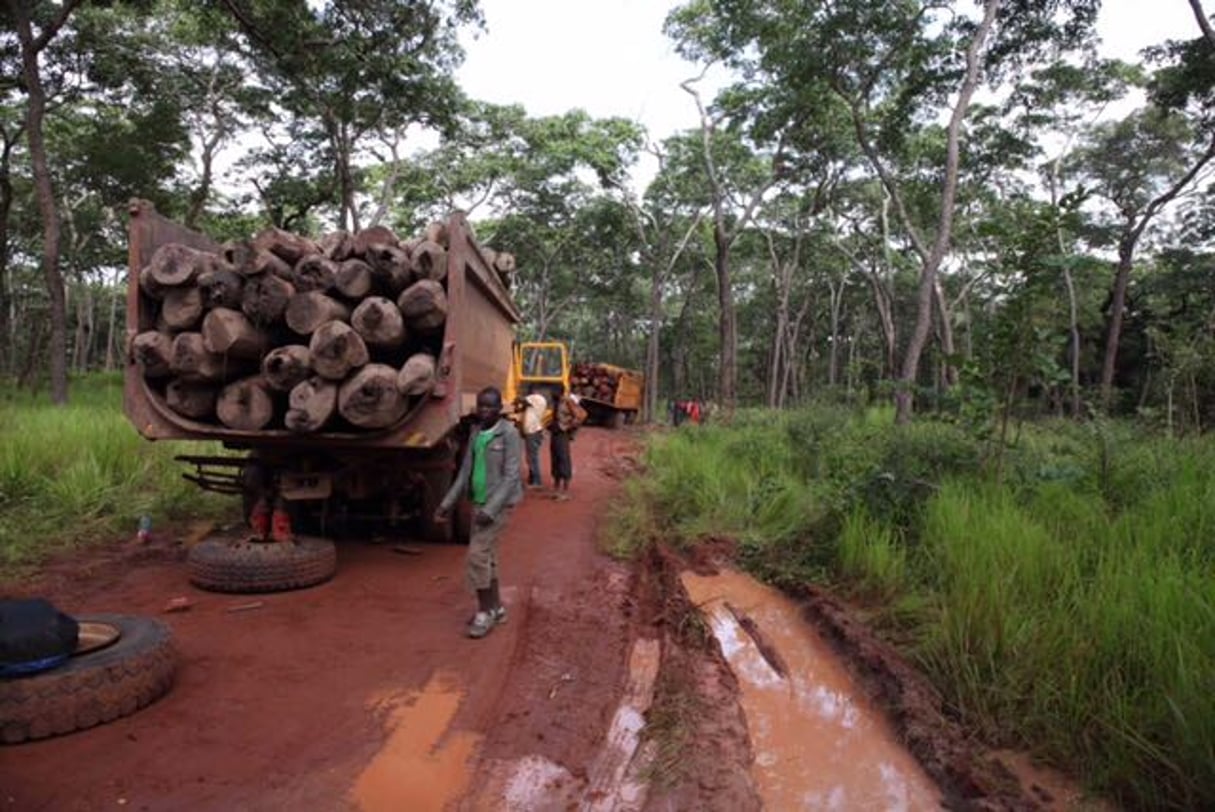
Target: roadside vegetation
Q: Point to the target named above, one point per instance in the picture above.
(81, 474)
(1060, 591)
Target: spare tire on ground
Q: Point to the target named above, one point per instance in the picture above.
(226, 565)
(92, 687)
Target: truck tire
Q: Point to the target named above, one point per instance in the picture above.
(92, 688)
(458, 527)
(224, 565)
(616, 420)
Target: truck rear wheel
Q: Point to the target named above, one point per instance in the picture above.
(225, 565)
(93, 687)
(616, 419)
(457, 528)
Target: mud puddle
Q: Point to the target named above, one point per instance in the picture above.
(818, 742)
(422, 765)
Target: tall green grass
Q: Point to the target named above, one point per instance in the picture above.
(81, 474)
(1064, 600)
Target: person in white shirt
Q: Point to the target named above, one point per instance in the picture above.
(533, 407)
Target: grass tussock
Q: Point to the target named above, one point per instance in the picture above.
(1063, 598)
(81, 473)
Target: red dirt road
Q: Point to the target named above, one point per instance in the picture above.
(362, 692)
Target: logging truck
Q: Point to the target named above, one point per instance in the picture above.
(342, 370)
(610, 394)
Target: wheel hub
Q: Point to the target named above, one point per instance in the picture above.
(94, 636)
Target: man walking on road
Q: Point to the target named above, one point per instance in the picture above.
(533, 406)
(489, 475)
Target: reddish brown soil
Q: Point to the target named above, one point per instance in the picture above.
(276, 707)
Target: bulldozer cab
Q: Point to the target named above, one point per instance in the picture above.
(539, 366)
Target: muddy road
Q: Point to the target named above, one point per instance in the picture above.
(364, 693)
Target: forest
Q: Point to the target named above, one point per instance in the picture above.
(920, 201)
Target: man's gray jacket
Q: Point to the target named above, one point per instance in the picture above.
(503, 483)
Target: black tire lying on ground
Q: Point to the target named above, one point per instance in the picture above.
(224, 565)
(93, 688)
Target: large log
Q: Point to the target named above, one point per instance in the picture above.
(370, 399)
(192, 361)
(229, 332)
(311, 404)
(175, 264)
(221, 286)
(430, 261)
(390, 266)
(193, 400)
(182, 307)
(245, 405)
(149, 286)
(424, 306)
(239, 254)
(353, 279)
(337, 245)
(314, 272)
(285, 367)
(266, 263)
(504, 262)
(291, 248)
(417, 377)
(379, 322)
(336, 349)
(370, 236)
(153, 351)
(436, 232)
(266, 298)
(309, 310)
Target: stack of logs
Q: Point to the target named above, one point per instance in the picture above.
(281, 331)
(594, 381)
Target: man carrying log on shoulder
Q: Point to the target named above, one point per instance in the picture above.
(489, 475)
(567, 417)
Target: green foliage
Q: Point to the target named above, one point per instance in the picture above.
(1065, 608)
(81, 475)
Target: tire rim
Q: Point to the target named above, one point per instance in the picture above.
(94, 636)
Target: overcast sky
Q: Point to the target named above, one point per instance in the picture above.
(610, 57)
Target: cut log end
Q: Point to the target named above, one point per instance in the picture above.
(370, 399)
(283, 368)
(336, 349)
(379, 322)
(245, 405)
(311, 405)
(417, 377)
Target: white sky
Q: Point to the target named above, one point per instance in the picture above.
(610, 57)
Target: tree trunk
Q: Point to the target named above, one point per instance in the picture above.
(245, 405)
(424, 306)
(370, 399)
(727, 379)
(948, 350)
(417, 377)
(194, 362)
(311, 405)
(265, 298)
(284, 368)
(221, 286)
(7, 360)
(336, 350)
(379, 322)
(1073, 327)
(932, 260)
(1122, 276)
(182, 308)
(111, 334)
(314, 272)
(653, 347)
(308, 311)
(229, 332)
(193, 400)
(337, 245)
(44, 187)
(175, 265)
(153, 352)
(429, 261)
(353, 279)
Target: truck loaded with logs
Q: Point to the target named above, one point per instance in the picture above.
(341, 367)
(611, 395)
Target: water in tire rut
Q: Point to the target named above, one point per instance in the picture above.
(818, 743)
